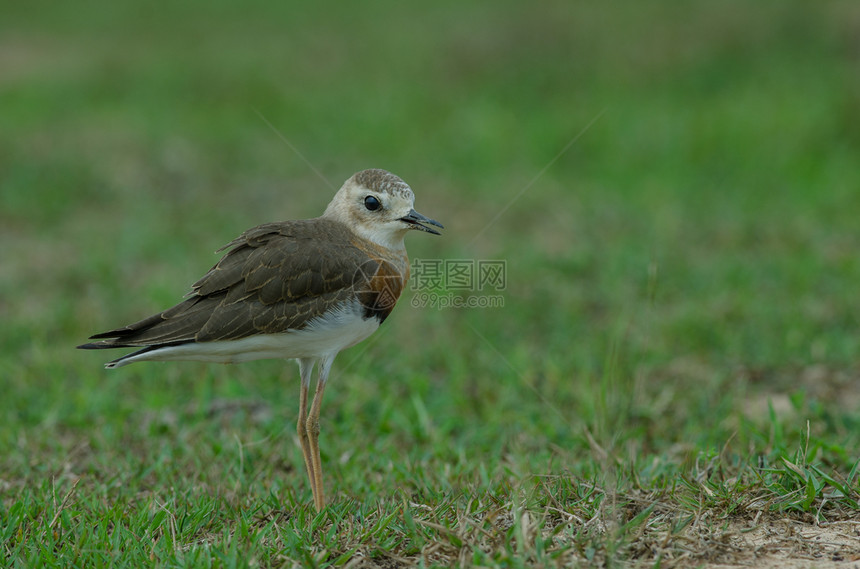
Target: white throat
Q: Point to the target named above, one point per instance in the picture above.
(382, 236)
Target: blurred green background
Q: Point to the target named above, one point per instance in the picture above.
(687, 264)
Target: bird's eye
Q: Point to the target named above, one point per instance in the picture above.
(372, 203)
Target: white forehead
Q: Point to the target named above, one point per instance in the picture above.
(383, 182)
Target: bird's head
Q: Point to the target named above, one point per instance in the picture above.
(378, 206)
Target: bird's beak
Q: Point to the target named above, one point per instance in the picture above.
(415, 219)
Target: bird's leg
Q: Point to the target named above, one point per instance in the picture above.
(313, 429)
(306, 366)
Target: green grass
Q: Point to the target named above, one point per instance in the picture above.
(674, 367)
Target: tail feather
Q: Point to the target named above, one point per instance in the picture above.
(103, 345)
(125, 331)
(119, 362)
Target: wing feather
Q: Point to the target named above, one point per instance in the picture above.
(273, 278)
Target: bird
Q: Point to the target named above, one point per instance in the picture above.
(301, 289)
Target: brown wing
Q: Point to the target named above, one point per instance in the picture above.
(274, 277)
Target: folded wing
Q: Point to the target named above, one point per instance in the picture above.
(274, 278)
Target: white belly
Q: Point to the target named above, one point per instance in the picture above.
(325, 335)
